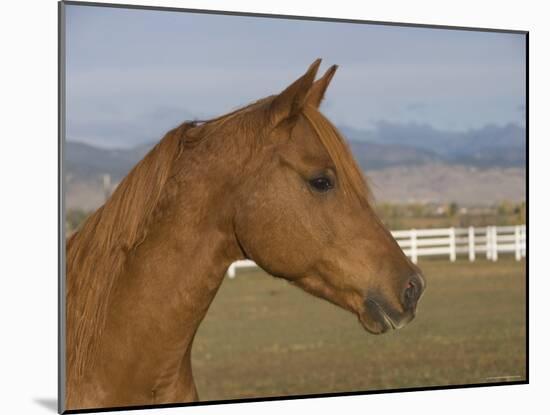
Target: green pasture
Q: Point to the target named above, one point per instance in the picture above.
(263, 337)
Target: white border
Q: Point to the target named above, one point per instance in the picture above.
(28, 215)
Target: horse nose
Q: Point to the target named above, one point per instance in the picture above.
(413, 290)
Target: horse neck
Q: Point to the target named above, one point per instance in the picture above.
(171, 278)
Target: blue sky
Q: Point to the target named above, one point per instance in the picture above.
(134, 74)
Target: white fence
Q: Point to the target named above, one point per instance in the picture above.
(489, 241)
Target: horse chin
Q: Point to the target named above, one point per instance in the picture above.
(377, 319)
(374, 319)
(375, 326)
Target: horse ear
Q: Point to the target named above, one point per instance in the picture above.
(290, 102)
(317, 91)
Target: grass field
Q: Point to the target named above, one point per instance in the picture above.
(263, 337)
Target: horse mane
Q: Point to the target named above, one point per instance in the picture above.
(351, 178)
(96, 253)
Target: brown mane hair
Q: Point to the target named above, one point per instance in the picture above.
(97, 251)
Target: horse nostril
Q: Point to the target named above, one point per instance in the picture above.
(409, 292)
(412, 292)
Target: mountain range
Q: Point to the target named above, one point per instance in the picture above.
(413, 144)
(488, 159)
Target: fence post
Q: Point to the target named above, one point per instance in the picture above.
(106, 186)
(495, 244)
(471, 244)
(523, 241)
(231, 271)
(414, 251)
(452, 243)
(488, 242)
(517, 242)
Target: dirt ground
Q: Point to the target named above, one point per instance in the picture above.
(263, 337)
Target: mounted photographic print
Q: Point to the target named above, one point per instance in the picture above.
(261, 207)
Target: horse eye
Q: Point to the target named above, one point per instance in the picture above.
(321, 184)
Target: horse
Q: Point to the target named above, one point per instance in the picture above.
(274, 182)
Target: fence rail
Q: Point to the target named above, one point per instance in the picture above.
(489, 241)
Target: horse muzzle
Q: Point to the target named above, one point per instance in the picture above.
(379, 316)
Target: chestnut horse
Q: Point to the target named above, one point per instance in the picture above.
(273, 182)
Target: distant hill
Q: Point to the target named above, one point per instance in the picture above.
(406, 162)
(490, 146)
(85, 162)
(375, 156)
(444, 183)
(386, 146)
